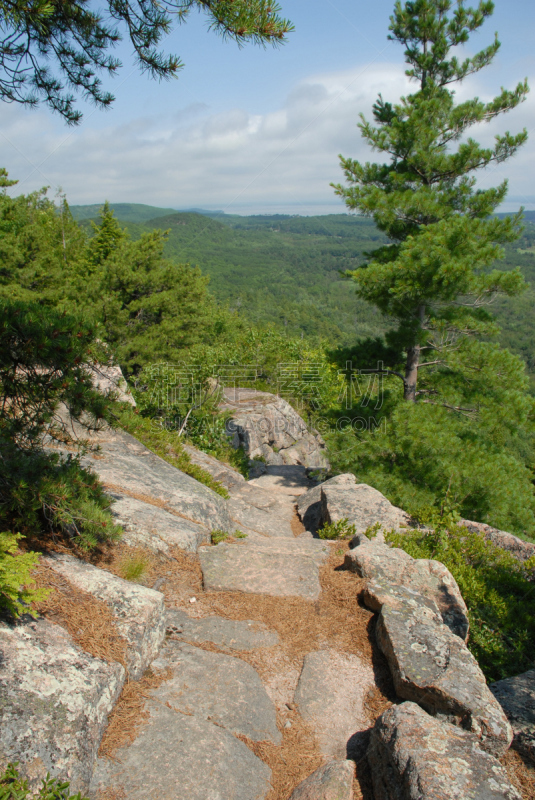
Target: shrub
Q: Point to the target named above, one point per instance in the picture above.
(16, 594)
(41, 491)
(14, 787)
(496, 587)
(337, 530)
(219, 536)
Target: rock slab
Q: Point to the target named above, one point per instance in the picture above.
(149, 526)
(517, 698)
(54, 702)
(332, 781)
(219, 688)
(125, 464)
(278, 567)
(182, 757)
(416, 757)
(138, 611)
(229, 633)
(330, 696)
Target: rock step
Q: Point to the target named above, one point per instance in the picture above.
(276, 567)
(226, 633)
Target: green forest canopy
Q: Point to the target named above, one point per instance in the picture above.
(285, 270)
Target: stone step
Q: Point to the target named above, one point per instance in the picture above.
(277, 567)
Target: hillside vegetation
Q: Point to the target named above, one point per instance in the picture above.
(286, 271)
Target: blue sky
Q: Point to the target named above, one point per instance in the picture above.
(258, 131)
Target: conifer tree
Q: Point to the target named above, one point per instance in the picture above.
(435, 276)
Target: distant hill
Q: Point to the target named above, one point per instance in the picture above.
(134, 212)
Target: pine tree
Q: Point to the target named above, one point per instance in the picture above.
(48, 50)
(435, 276)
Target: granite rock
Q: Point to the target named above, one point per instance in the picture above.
(178, 755)
(54, 702)
(277, 567)
(508, 541)
(266, 425)
(228, 633)
(517, 698)
(413, 756)
(332, 781)
(331, 697)
(391, 572)
(433, 667)
(360, 504)
(126, 466)
(138, 611)
(219, 688)
(150, 526)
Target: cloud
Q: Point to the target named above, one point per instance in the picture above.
(232, 160)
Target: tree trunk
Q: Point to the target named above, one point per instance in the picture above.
(411, 373)
(411, 366)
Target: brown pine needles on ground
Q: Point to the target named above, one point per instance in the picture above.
(129, 713)
(88, 620)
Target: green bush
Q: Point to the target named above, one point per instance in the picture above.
(497, 588)
(14, 787)
(16, 594)
(337, 530)
(43, 363)
(42, 492)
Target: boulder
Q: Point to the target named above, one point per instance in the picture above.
(508, 541)
(228, 633)
(392, 573)
(413, 756)
(150, 526)
(360, 504)
(331, 696)
(266, 425)
(138, 612)
(332, 781)
(433, 667)
(54, 702)
(309, 504)
(278, 567)
(517, 698)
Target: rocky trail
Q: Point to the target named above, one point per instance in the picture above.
(271, 666)
(269, 671)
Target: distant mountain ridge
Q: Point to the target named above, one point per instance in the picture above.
(134, 212)
(140, 212)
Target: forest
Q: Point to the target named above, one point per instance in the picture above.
(287, 270)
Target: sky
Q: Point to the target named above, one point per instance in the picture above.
(252, 130)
